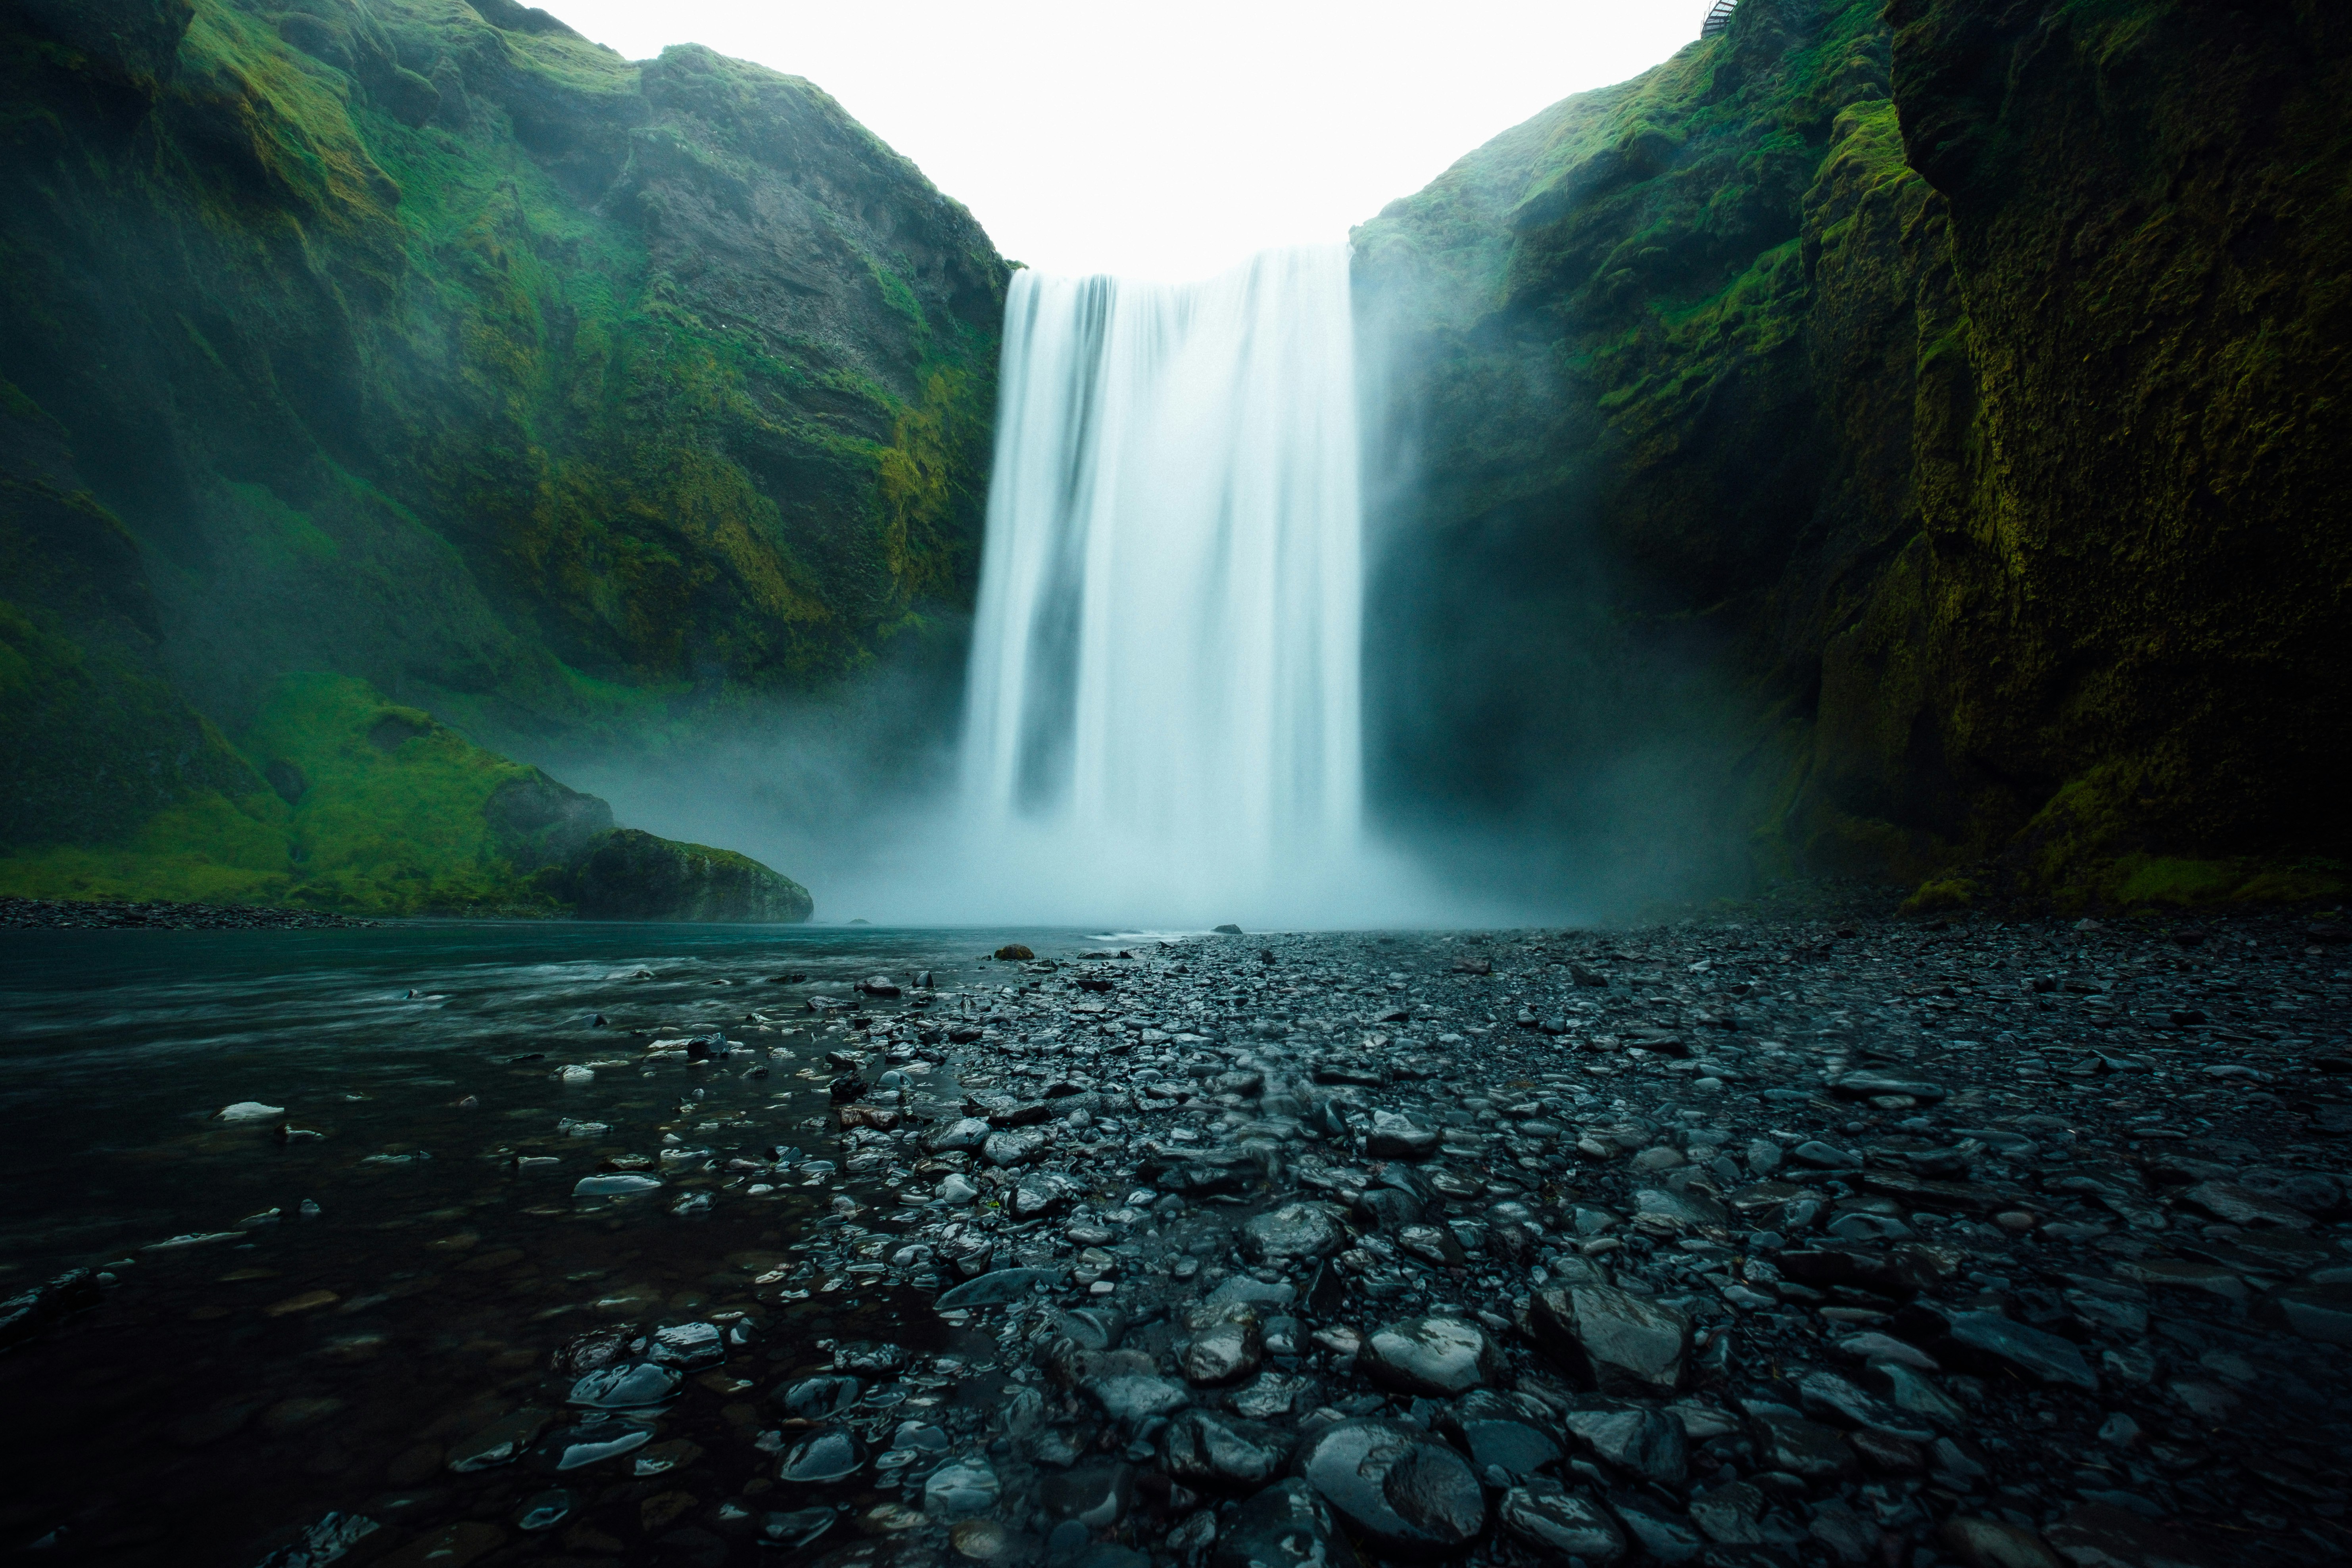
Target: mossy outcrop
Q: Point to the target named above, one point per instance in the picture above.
(570, 400)
(338, 800)
(1947, 400)
(628, 875)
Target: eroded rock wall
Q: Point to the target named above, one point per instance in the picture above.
(1941, 399)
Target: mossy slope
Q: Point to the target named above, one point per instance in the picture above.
(567, 398)
(340, 800)
(1952, 391)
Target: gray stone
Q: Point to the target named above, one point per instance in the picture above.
(826, 1455)
(1201, 1448)
(501, 1442)
(1433, 1244)
(814, 1398)
(1227, 1345)
(1990, 1339)
(1649, 1443)
(1680, 1211)
(1803, 1448)
(1727, 1514)
(1387, 1208)
(1861, 1085)
(1850, 1540)
(1133, 1399)
(1825, 1394)
(1040, 1192)
(1562, 1523)
(1666, 1536)
(1978, 1542)
(1911, 1392)
(1096, 1496)
(1407, 1493)
(960, 1490)
(1091, 1327)
(1516, 1446)
(1254, 1292)
(2318, 1312)
(1293, 1233)
(995, 1290)
(1394, 1137)
(619, 1185)
(966, 1132)
(1619, 1342)
(1013, 1148)
(630, 1385)
(1435, 1356)
(1288, 1525)
(1270, 1395)
(2234, 1205)
(688, 1346)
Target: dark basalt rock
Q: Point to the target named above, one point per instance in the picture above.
(630, 874)
(1562, 1523)
(1619, 1343)
(1294, 1232)
(1990, 1339)
(1635, 1437)
(627, 1386)
(1406, 1492)
(826, 1455)
(1206, 1449)
(1285, 1526)
(1436, 1356)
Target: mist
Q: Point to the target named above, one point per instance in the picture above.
(1244, 651)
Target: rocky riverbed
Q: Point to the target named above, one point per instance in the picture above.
(73, 914)
(1812, 1237)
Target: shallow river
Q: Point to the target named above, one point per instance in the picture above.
(316, 1320)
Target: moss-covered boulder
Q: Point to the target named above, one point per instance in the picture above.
(627, 875)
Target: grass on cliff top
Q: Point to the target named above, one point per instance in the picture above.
(387, 819)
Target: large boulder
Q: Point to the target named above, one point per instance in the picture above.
(626, 874)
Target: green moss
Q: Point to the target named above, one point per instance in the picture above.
(453, 361)
(1971, 373)
(392, 818)
(386, 818)
(1941, 894)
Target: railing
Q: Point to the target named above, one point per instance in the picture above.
(1719, 18)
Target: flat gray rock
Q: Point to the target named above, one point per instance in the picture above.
(1293, 1233)
(1620, 1343)
(1860, 1085)
(1436, 1356)
(995, 1290)
(1406, 1492)
(1562, 1523)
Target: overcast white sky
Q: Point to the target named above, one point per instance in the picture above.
(1170, 140)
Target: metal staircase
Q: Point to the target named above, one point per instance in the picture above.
(1719, 18)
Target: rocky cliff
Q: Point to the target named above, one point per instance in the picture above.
(1911, 436)
(432, 352)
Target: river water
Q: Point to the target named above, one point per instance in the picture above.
(319, 1320)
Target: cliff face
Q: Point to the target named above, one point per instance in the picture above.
(429, 345)
(1942, 400)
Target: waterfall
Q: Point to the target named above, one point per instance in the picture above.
(1164, 691)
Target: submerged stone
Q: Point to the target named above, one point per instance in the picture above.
(827, 1455)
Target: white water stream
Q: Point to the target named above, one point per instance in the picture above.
(1165, 698)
